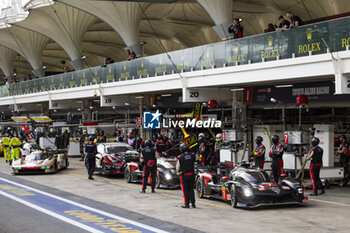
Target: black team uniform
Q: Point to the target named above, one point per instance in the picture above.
(185, 166)
(149, 161)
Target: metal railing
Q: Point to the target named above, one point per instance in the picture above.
(298, 42)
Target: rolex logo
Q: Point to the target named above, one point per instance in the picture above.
(309, 34)
(270, 40)
(236, 48)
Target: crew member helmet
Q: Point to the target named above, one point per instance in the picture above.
(275, 139)
(258, 140)
(183, 147)
(315, 141)
(148, 143)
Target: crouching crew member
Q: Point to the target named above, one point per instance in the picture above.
(259, 153)
(276, 154)
(149, 161)
(315, 155)
(185, 169)
(91, 150)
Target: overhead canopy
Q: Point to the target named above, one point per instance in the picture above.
(92, 29)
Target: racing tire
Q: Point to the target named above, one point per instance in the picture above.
(56, 167)
(233, 196)
(67, 163)
(200, 187)
(157, 181)
(103, 168)
(127, 175)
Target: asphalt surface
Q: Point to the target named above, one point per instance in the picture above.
(326, 213)
(18, 218)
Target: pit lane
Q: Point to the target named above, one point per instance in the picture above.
(321, 214)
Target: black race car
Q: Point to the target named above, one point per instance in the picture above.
(166, 174)
(245, 186)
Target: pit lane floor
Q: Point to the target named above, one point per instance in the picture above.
(111, 195)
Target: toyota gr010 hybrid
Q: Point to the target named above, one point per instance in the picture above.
(166, 173)
(249, 187)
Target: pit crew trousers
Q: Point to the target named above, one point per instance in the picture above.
(344, 162)
(15, 152)
(315, 176)
(146, 171)
(259, 162)
(187, 185)
(276, 166)
(7, 153)
(91, 164)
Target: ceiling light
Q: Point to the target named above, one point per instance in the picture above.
(139, 97)
(273, 100)
(83, 57)
(237, 89)
(166, 95)
(283, 86)
(44, 67)
(127, 104)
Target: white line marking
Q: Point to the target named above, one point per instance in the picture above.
(88, 208)
(329, 202)
(48, 212)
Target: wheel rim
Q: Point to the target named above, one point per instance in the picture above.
(103, 168)
(127, 175)
(199, 188)
(158, 181)
(233, 196)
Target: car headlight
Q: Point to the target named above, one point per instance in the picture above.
(168, 176)
(247, 192)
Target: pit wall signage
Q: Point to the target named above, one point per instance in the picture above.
(316, 92)
(313, 43)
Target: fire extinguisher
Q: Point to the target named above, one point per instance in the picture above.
(224, 192)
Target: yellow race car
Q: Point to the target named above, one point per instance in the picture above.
(40, 161)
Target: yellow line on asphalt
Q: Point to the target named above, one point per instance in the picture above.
(124, 185)
(73, 174)
(202, 202)
(76, 163)
(161, 193)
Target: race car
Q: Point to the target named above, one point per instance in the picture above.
(111, 158)
(166, 173)
(40, 161)
(249, 187)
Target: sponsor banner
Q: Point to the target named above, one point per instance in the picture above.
(316, 92)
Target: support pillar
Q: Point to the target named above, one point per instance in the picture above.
(221, 13)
